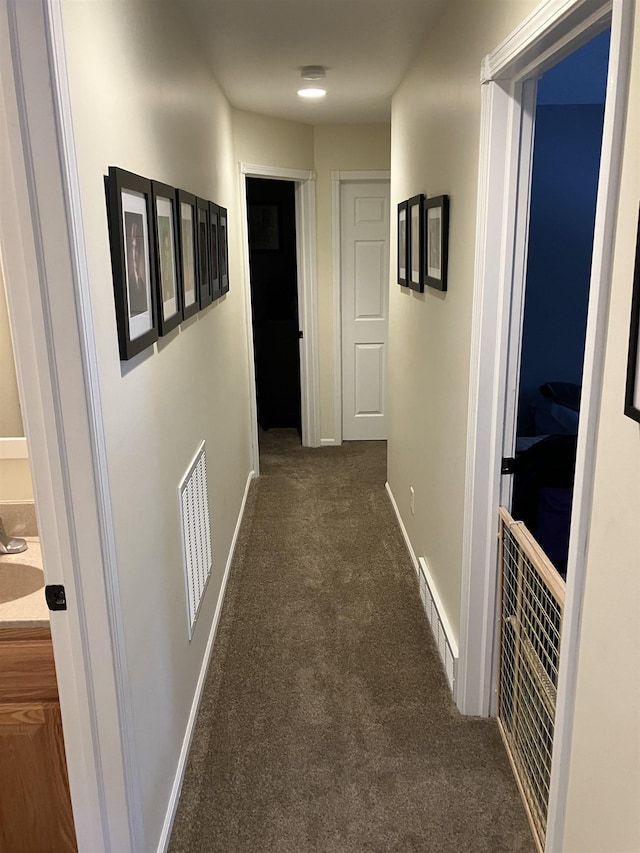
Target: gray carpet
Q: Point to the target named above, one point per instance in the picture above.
(326, 722)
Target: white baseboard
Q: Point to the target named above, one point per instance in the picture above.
(432, 605)
(186, 743)
(329, 442)
(403, 530)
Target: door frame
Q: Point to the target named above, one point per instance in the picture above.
(337, 179)
(48, 298)
(550, 33)
(305, 200)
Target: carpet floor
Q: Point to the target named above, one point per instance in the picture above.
(326, 723)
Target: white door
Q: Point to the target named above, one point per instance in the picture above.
(364, 250)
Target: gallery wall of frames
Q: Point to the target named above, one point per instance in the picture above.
(423, 240)
(169, 255)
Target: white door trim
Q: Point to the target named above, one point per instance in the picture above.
(49, 304)
(601, 271)
(305, 193)
(553, 29)
(520, 237)
(338, 177)
(550, 33)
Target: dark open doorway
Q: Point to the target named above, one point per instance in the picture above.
(566, 161)
(274, 301)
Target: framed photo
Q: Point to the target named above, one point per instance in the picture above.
(214, 250)
(415, 243)
(436, 241)
(165, 231)
(130, 210)
(224, 251)
(202, 242)
(264, 227)
(187, 219)
(403, 210)
(632, 394)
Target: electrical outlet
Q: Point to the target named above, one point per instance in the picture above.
(412, 500)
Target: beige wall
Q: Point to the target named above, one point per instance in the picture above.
(15, 474)
(265, 141)
(603, 814)
(338, 148)
(10, 415)
(15, 480)
(143, 101)
(435, 132)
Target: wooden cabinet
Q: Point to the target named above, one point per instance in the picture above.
(35, 807)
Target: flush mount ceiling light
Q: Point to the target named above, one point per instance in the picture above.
(312, 93)
(312, 72)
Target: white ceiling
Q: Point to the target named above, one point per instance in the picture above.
(255, 48)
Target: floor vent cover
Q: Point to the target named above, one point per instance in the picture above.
(196, 533)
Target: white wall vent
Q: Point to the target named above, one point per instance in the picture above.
(447, 646)
(196, 533)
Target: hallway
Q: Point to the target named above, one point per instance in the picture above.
(326, 722)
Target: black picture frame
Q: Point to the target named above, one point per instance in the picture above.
(402, 264)
(632, 390)
(214, 251)
(168, 279)
(133, 263)
(415, 243)
(224, 249)
(187, 252)
(436, 241)
(204, 259)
